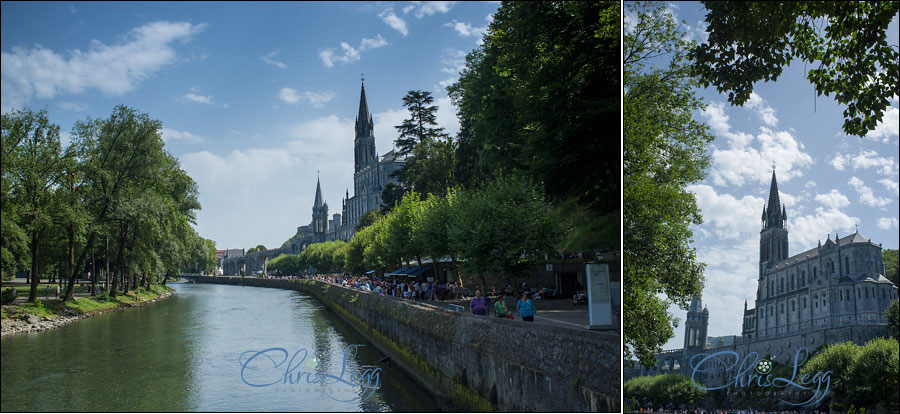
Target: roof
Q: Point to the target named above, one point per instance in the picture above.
(844, 241)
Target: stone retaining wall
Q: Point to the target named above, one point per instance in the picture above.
(477, 363)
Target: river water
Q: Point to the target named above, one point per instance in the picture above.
(189, 352)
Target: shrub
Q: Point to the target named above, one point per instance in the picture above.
(9, 295)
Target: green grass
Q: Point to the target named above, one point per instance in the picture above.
(41, 291)
(82, 305)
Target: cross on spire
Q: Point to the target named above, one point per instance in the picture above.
(362, 77)
(773, 165)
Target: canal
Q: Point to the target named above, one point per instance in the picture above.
(200, 350)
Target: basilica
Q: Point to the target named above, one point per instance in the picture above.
(834, 292)
(371, 173)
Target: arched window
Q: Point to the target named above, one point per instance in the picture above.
(792, 281)
(841, 294)
(815, 274)
(847, 265)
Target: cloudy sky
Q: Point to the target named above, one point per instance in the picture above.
(830, 183)
(255, 98)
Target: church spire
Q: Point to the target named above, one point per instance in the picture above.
(363, 114)
(774, 213)
(319, 201)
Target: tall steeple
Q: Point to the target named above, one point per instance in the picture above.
(320, 215)
(364, 143)
(773, 238)
(696, 325)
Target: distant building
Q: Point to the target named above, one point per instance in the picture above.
(834, 292)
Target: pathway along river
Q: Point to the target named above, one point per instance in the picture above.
(183, 353)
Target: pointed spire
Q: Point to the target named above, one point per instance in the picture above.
(774, 202)
(319, 201)
(364, 115)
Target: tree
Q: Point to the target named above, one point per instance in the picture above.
(874, 375)
(845, 42)
(541, 98)
(258, 248)
(837, 358)
(893, 318)
(889, 258)
(429, 150)
(391, 194)
(664, 152)
(502, 229)
(35, 165)
(367, 219)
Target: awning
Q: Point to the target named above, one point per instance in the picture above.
(370, 272)
(411, 271)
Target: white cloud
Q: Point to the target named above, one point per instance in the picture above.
(289, 95)
(454, 61)
(888, 127)
(316, 99)
(113, 70)
(765, 112)
(270, 59)
(195, 96)
(428, 8)
(73, 106)
(169, 135)
(349, 54)
(887, 223)
(834, 199)
(891, 185)
(866, 196)
(395, 22)
(367, 44)
(740, 164)
(864, 160)
(730, 216)
(807, 230)
(466, 30)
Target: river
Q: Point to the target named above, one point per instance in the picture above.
(186, 353)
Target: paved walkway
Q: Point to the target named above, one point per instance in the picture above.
(548, 311)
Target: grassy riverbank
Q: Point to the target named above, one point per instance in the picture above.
(52, 308)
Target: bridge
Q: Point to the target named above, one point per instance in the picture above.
(250, 263)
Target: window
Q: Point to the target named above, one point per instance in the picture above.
(847, 265)
(804, 302)
(858, 294)
(793, 306)
(792, 282)
(781, 308)
(815, 274)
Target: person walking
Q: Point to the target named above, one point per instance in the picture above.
(525, 308)
(478, 305)
(500, 307)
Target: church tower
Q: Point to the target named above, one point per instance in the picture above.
(773, 238)
(364, 143)
(695, 326)
(319, 216)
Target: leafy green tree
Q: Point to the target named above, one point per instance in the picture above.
(837, 358)
(874, 375)
(893, 319)
(889, 257)
(429, 150)
(391, 194)
(502, 229)
(288, 264)
(36, 165)
(367, 219)
(664, 152)
(676, 389)
(845, 43)
(638, 389)
(258, 248)
(541, 98)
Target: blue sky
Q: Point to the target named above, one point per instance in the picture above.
(255, 98)
(830, 182)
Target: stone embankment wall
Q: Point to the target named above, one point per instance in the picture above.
(477, 363)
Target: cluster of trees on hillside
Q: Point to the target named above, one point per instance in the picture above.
(862, 376)
(499, 230)
(538, 101)
(662, 390)
(113, 201)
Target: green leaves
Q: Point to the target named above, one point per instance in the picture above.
(664, 152)
(753, 41)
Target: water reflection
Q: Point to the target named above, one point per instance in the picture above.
(183, 354)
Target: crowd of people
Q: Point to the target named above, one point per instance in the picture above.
(406, 289)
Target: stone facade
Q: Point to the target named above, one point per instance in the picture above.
(835, 292)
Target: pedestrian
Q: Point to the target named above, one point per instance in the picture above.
(478, 305)
(500, 307)
(525, 308)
